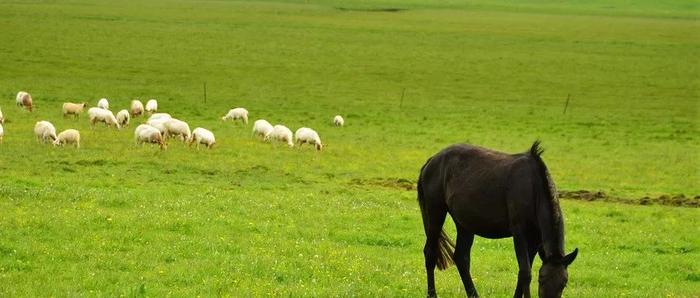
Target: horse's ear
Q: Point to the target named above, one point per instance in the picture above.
(568, 259)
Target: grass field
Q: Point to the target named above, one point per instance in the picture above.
(250, 218)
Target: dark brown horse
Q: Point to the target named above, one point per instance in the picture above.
(493, 195)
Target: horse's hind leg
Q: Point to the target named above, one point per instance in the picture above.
(462, 260)
(431, 251)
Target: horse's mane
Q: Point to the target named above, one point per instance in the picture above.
(550, 193)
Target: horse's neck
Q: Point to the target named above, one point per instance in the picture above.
(551, 226)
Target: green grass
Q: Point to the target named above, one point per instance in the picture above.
(250, 218)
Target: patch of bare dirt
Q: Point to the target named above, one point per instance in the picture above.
(383, 9)
(679, 200)
(396, 183)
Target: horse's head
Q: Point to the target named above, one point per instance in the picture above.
(553, 274)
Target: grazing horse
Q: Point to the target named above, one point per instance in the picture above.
(493, 195)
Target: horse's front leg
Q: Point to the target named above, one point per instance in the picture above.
(522, 252)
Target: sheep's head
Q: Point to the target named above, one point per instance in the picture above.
(84, 105)
(319, 146)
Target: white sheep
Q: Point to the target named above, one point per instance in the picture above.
(103, 103)
(24, 100)
(159, 124)
(2, 118)
(175, 127)
(102, 115)
(75, 109)
(2, 133)
(123, 118)
(145, 133)
(338, 120)
(283, 134)
(68, 136)
(262, 128)
(44, 131)
(151, 106)
(308, 135)
(136, 108)
(157, 116)
(235, 114)
(202, 136)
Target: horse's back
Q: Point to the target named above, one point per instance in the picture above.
(469, 160)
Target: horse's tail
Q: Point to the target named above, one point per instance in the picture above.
(445, 246)
(447, 251)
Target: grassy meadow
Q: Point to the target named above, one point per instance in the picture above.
(257, 219)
